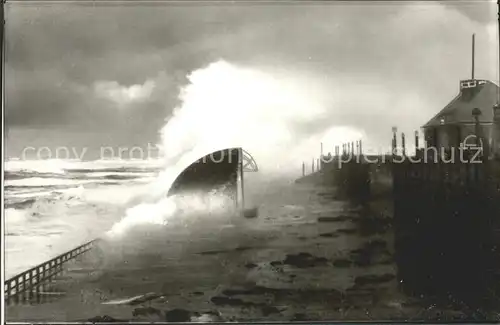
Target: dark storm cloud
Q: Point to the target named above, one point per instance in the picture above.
(57, 53)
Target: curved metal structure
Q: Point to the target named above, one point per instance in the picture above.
(212, 171)
(248, 163)
(221, 170)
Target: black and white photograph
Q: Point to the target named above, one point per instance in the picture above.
(251, 161)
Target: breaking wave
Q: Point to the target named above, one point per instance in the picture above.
(227, 106)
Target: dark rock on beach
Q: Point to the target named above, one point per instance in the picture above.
(178, 315)
(299, 317)
(105, 319)
(228, 301)
(250, 265)
(341, 218)
(370, 253)
(303, 260)
(373, 279)
(146, 311)
(342, 263)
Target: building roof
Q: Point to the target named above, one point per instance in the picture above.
(482, 94)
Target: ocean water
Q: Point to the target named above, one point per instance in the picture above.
(52, 206)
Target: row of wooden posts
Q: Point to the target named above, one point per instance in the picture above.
(352, 148)
(356, 148)
(403, 142)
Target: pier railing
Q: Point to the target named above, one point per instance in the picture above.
(33, 278)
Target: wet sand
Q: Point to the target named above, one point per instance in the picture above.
(308, 256)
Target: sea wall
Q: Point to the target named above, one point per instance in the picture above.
(445, 219)
(446, 222)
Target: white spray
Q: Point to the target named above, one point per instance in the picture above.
(226, 106)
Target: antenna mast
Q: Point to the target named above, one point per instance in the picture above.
(473, 50)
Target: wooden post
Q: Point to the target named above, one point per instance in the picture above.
(394, 140)
(360, 147)
(403, 144)
(352, 148)
(242, 184)
(9, 288)
(37, 277)
(416, 142)
(312, 166)
(32, 279)
(303, 169)
(476, 112)
(42, 273)
(496, 129)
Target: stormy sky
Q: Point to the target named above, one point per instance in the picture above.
(95, 75)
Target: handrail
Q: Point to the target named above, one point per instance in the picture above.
(45, 271)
